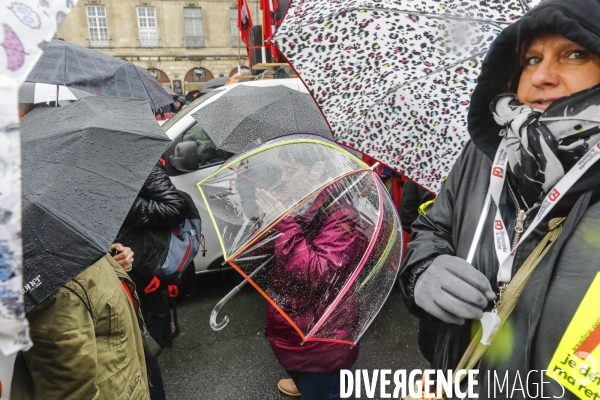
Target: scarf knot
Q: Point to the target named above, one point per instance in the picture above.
(541, 146)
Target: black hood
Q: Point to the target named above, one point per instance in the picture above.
(577, 20)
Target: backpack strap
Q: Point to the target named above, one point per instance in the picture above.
(173, 294)
(153, 285)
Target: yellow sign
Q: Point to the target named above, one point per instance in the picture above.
(578, 354)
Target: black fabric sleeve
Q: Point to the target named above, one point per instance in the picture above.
(432, 235)
(159, 204)
(412, 197)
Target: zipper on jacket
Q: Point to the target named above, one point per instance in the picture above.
(521, 215)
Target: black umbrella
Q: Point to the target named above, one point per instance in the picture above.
(249, 115)
(37, 93)
(213, 84)
(64, 63)
(83, 166)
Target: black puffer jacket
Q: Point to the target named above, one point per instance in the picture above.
(158, 205)
(158, 208)
(529, 340)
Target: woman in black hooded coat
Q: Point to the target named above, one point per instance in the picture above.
(554, 51)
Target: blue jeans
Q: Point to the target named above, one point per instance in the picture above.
(317, 386)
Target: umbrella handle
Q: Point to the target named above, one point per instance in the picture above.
(217, 326)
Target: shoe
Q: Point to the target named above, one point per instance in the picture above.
(287, 386)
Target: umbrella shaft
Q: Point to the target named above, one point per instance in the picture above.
(479, 229)
(253, 274)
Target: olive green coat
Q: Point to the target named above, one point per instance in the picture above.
(86, 339)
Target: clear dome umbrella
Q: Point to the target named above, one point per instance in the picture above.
(313, 229)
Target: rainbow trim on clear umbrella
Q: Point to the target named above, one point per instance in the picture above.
(230, 258)
(258, 151)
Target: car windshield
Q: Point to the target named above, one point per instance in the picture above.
(208, 154)
(189, 108)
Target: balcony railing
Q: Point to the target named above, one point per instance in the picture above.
(99, 43)
(194, 41)
(147, 42)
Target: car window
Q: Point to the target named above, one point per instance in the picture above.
(207, 151)
(187, 109)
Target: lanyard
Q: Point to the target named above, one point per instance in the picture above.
(498, 176)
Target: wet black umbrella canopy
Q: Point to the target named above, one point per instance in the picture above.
(64, 63)
(83, 165)
(250, 115)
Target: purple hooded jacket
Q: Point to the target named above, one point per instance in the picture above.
(315, 249)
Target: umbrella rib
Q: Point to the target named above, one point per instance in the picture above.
(400, 86)
(524, 6)
(212, 218)
(261, 243)
(64, 81)
(145, 88)
(382, 304)
(386, 252)
(419, 13)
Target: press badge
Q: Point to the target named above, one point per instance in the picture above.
(578, 353)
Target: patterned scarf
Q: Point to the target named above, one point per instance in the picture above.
(543, 145)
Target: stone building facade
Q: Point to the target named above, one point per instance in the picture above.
(182, 43)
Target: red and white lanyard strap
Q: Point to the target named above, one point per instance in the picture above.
(497, 178)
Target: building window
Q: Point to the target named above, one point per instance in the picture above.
(147, 27)
(96, 16)
(194, 35)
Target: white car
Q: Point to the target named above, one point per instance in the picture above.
(185, 176)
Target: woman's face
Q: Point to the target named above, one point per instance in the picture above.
(294, 177)
(555, 67)
(297, 178)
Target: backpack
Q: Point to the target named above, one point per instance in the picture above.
(184, 243)
(162, 255)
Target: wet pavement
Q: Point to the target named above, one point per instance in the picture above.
(237, 362)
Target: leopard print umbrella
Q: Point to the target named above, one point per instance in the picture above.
(394, 77)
